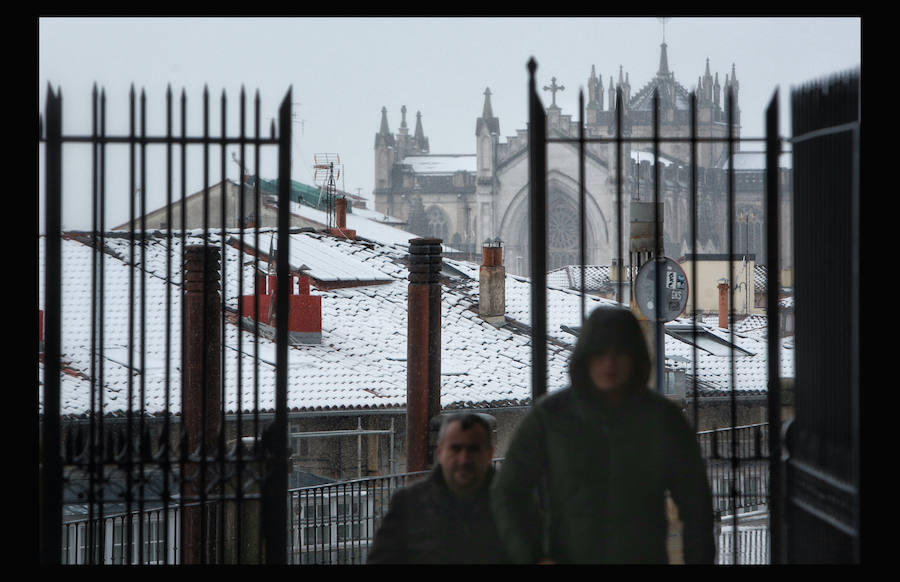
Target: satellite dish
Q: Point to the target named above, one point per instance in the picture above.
(673, 290)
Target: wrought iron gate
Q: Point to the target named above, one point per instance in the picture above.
(822, 470)
(819, 495)
(174, 452)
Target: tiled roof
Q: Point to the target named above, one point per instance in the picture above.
(361, 361)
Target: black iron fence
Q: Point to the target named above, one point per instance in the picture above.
(192, 492)
(336, 523)
(223, 488)
(734, 472)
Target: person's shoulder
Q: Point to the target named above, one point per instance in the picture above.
(553, 401)
(664, 407)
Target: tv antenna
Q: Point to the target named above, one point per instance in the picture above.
(326, 169)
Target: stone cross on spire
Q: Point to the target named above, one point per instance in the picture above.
(553, 88)
(664, 20)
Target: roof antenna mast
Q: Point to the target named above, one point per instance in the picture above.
(326, 169)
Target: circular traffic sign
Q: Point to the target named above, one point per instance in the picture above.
(672, 292)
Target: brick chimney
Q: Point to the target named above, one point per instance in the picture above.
(340, 216)
(201, 395)
(304, 317)
(492, 283)
(723, 303)
(423, 383)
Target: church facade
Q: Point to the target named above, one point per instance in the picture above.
(466, 199)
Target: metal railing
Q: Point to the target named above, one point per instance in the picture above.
(336, 523)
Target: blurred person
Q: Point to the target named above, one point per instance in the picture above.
(446, 517)
(588, 469)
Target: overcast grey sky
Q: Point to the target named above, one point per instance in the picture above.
(343, 70)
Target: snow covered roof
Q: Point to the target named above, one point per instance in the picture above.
(364, 226)
(441, 164)
(378, 217)
(755, 161)
(323, 263)
(360, 363)
(714, 354)
(640, 156)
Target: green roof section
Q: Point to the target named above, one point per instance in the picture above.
(301, 193)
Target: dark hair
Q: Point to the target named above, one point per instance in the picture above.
(467, 420)
(610, 328)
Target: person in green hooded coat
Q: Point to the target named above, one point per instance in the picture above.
(586, 474)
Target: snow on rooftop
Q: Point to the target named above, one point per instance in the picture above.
(756, 161)
(375, 216)
(639, 156)
(441, 164)
(364, 227)
(323, 262)
(361, 361)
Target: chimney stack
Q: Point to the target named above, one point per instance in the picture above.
(723, 303)
(423, 384)
(340, 217)
(492, 283)
(201, 400)
(304, 316)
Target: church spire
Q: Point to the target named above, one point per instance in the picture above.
(420, 134)
(663, 61)
(707, 85)
(486, 112)
(487, 119)
(404, 129)
(595, 90)
(384, 124)
(421, 140)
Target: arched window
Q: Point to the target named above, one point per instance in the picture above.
(437, 223)
(562, 234)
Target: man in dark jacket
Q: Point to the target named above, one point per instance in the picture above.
(603, 454)
(446, 518)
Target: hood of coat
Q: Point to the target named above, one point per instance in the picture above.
(610, 328)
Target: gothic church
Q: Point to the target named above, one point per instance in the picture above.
(466, 199)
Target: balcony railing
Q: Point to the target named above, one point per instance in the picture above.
(335, 523)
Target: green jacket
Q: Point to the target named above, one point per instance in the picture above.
(604, 472)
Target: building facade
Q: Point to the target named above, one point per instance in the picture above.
(467, 198)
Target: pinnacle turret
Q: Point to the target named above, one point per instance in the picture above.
(384, 124)
(487, 118)
(663, 62)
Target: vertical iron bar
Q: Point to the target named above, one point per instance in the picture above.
(165, 441)
(855, 315)
(222, 326)
(203, 508)
(773, 283)
(276, 526)
(659, 336)
(729, 229)
(143, 328)
(51, 465)
(581, 202)
(537, 148)
(694, 238)
(97, 257)
(619, 205)
(102, 303)
(182, 450)
(129, 448)
(257, 208)
(239, 433)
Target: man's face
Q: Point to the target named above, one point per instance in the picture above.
(610, 371)
(465, 457)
